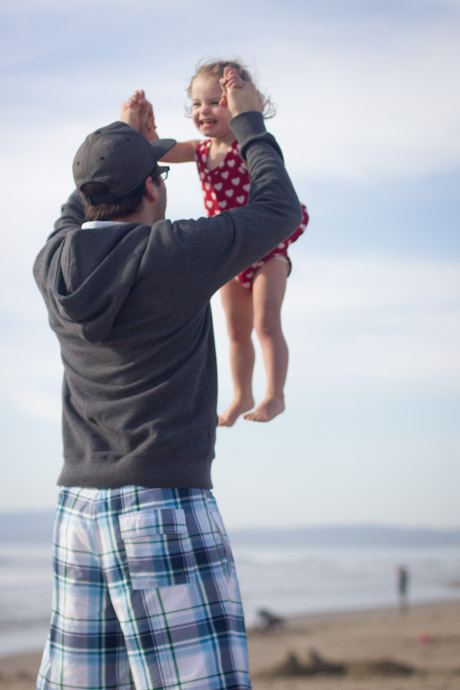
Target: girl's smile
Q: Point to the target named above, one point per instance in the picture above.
(209, 117)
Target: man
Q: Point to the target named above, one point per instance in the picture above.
(145, 590)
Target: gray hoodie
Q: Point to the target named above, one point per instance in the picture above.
(130, 307)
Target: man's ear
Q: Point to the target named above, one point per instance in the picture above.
(150, 189)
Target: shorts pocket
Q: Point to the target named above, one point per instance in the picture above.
(158, 548)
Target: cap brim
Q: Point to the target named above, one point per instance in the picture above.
(162, 146)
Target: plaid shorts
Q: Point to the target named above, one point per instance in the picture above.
(145, 594)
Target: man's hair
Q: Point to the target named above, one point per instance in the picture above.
(124, 206)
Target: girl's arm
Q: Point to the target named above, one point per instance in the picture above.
(182, 152)
(137, 112)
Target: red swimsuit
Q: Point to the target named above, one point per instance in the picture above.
(226, 187)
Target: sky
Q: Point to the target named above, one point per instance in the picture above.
(368, 111)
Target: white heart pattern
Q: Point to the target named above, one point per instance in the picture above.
(222, 204)
(229, 192)
(225, 174)
(246, 187)
(231, 163)
(209, 204)
(218, 186)
(241, 199)
(236, 180)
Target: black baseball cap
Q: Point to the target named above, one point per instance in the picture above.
(119, 157)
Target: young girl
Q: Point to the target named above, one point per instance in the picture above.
(254, 297)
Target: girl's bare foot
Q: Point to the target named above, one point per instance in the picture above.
(231, 414)
(267, 410)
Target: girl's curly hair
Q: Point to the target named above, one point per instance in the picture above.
(215, 69)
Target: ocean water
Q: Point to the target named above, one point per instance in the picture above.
(285, 580)
(317, 579)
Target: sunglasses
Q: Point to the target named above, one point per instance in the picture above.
(160, 172)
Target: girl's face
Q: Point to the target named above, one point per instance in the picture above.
(210, 118)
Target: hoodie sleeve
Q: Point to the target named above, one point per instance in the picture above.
(71, 218)
(220, 247)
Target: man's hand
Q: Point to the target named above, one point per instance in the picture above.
(138, 113)
(239, 96)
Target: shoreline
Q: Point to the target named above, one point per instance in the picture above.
(358, 649)
(321, 616)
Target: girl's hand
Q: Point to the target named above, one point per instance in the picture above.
(137, 112)
(238, 95)
(232, 79)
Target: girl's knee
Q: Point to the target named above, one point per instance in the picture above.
(239, 330)
(268, 325)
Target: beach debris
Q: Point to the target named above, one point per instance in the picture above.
(381, 667)
(293, 666)
(268, 620)
(316, 664)
(423, 637)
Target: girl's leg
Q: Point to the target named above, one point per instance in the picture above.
(268, 291)
(237, 303)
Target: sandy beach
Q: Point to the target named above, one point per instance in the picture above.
(368, 650)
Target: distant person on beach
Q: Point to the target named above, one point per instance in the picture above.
(145, 590)
(254, 297)
(269, 620)
(403, 586)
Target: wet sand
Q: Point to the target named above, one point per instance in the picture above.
(367, 650)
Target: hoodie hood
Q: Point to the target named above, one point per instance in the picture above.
(79, 273)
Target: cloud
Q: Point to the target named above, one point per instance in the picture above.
(36, 403)
(380, 319)
(365, 324)
(351, 284)
(364, 94)
(31, 376)
(374, 102)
